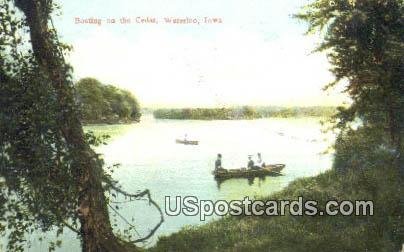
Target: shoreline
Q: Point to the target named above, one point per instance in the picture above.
(103, 123)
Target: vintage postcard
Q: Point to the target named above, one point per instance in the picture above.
(199, 125)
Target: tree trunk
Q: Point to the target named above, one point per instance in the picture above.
(96, 231)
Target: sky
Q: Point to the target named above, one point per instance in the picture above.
(257, 55)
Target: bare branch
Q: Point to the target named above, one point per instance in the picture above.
(137, 196)
(70, 227)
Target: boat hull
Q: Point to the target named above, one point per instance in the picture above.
(186, 142)
(268, 170)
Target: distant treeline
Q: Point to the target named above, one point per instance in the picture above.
(101, 103)
(245, 112)
(313, 111)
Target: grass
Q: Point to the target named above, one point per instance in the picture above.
(381, 232)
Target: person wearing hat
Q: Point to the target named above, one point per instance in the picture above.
(260, 162)
(250, 164)
(218, 162)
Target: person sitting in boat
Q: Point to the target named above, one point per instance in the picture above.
(218, 162)
(260, 163)
(250, 164)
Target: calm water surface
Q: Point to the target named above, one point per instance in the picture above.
(150, 158)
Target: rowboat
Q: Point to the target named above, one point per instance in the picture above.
(268, 170)
(186, 142)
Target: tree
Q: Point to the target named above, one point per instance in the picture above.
(105, 103)
(50, 176)
(249, 112)
(364, 42)
(91, 99)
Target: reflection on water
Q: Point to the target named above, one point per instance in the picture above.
(150, 158)
(258, 181)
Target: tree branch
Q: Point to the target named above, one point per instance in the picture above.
(137, 196)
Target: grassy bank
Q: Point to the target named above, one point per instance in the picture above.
(381, 232)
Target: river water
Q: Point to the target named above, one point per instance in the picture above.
(150, 158)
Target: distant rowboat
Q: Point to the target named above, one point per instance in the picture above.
(186, 142)
(268, 170)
